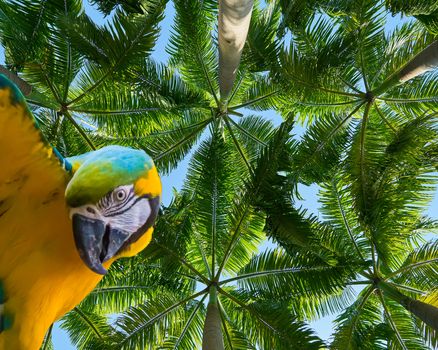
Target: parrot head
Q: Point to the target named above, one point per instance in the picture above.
(113, 198)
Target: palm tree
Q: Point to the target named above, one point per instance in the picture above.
(393, 264)
(380, 248)
(342, 67)
(194, 56)
(334, 68)
(100, 63)
(114, 93)
(233, 24)
(205, 249)
(77, 72)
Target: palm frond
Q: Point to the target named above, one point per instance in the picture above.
(260, 94)
(336, 209)
(171, 145)
(150, 323)
(424, 11)
(360, 326)
(280, 276)
(322, 146)
(365, 24)
(253, 133)
(191, 46)
(268, 324)
(417, 269)
(25, 27)
(262, 46)
(113, 48)
(86, 329)
(128, 6)
(405, 334)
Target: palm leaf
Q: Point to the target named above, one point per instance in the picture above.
(268, 324)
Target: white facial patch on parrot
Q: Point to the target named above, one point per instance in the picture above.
(120, 209)
(133, 218)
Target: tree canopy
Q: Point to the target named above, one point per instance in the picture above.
(366, 95)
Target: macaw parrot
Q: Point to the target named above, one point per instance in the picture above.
(63, 221)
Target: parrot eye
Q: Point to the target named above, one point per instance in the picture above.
(120, 195)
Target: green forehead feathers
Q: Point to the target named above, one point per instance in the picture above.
(99, 172)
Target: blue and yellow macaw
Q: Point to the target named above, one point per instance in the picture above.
(62, 221)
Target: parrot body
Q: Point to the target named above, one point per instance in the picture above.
(61, 227)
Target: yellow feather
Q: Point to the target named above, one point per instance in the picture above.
(41, 271)
(138, 246)
(150, 183)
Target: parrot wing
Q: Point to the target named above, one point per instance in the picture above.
(32, 175)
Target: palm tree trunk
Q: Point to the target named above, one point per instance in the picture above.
(425, 312)
(419, 64)
(233, 25)
(25, 88)
(212, 338)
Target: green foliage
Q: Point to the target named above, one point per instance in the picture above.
(321, 147)
(74, 65)
(361, 325)
(129, 6)
(270, 324)
(262, 47)
(145, 326)
(86, 329)
(191, 46)
(425, 11)
(25, 27)
(206, 234)
(370, 144)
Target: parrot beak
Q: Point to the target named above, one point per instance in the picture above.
(96, 242)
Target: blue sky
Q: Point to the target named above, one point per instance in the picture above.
(323, 326)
